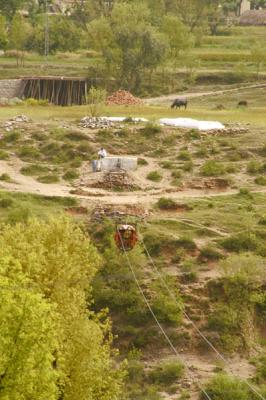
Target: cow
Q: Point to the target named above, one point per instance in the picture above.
(242, 103)
(178, 103)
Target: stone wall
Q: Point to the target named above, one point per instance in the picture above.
(124, 163)
(10, 88)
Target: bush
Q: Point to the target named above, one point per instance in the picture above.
(70, 175)
(95, 100)
(166, 164)
(244, 192)
(240, 242)
(5, 177)
(212, 168)
(260, 180)
(188, 166)
(150, 130)
(4, 155)
(154, 176)
(48, 179)
(19, 215)
(28, 152)
(34, 170)
(12, 137)
(6, 202)
(167, 373)
(223, 387)
(186, 243)
(176, 174)
(166, 204)
(253, 167)
(209, 253)
(184, 155)
(142, 161)
(35, 102)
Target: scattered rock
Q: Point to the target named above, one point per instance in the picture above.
(101, 212)
(96, 123)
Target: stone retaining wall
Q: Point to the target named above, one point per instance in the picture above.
(10, 88)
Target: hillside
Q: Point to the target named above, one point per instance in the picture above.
(199, 203)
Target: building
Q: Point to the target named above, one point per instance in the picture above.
(245, 5)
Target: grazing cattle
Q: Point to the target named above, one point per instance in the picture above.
(178, 103)
(242, 103)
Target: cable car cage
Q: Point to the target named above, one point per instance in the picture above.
(126, 236)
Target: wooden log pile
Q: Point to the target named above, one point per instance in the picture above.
(122, 97)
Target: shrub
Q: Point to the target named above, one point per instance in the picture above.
(166, 204)
(5, 177)
(70, 175)
(142, 161)
(166, 164)
(154, 176)
(19, 215)
(176, 174)
(167, 373)
(48, 179)
(95, 100)
(184, 155)
(35, 102)
(223, 387)
(209, 253)
(253, 167)
(244, 192)
(34, 169)
(260, 180)
(76, 136)
(150, 130)
(212, 168)
(186, 243)
(188, 166)
(240, 242)
(12, 137)
(28, 152)
(4, 155)
(6, 202)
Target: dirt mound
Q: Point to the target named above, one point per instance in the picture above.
(116, 180)
(212, 183)
(122, 97)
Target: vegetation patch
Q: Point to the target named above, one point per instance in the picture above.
(154, 176)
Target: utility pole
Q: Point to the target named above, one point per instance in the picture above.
(46, 34)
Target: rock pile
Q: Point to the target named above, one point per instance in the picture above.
(101, 212)
(122, 97)
(230, 130)
(116, 180)
(96, 123)
(15, 122)
(212, 183)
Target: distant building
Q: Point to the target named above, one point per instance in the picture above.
(244, 6)
(253, 17)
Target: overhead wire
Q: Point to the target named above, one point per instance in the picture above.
(218, 354)
(157, 321)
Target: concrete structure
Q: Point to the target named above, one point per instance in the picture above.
(10, 88)
(244, 6)
(119, 163)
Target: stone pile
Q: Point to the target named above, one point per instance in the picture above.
(116, 180)
(120, 212)
(122, 97)
(211, 183)
(230, 130)
(15, 122)
(96, 123)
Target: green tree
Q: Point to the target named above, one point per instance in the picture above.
(27, 339)
(3, 32)
(129, 43)
(19, 34)
(60, 262)
(258, 57)
(10, 7)
(193, 13)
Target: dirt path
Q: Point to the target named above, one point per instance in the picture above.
(171, 97)
(27, 184)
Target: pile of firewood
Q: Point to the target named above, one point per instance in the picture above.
(122, 97)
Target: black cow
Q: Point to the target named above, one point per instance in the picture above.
(178, 103)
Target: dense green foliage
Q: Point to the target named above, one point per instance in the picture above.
(52, 346)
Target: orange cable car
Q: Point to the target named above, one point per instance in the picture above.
(126, 237)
